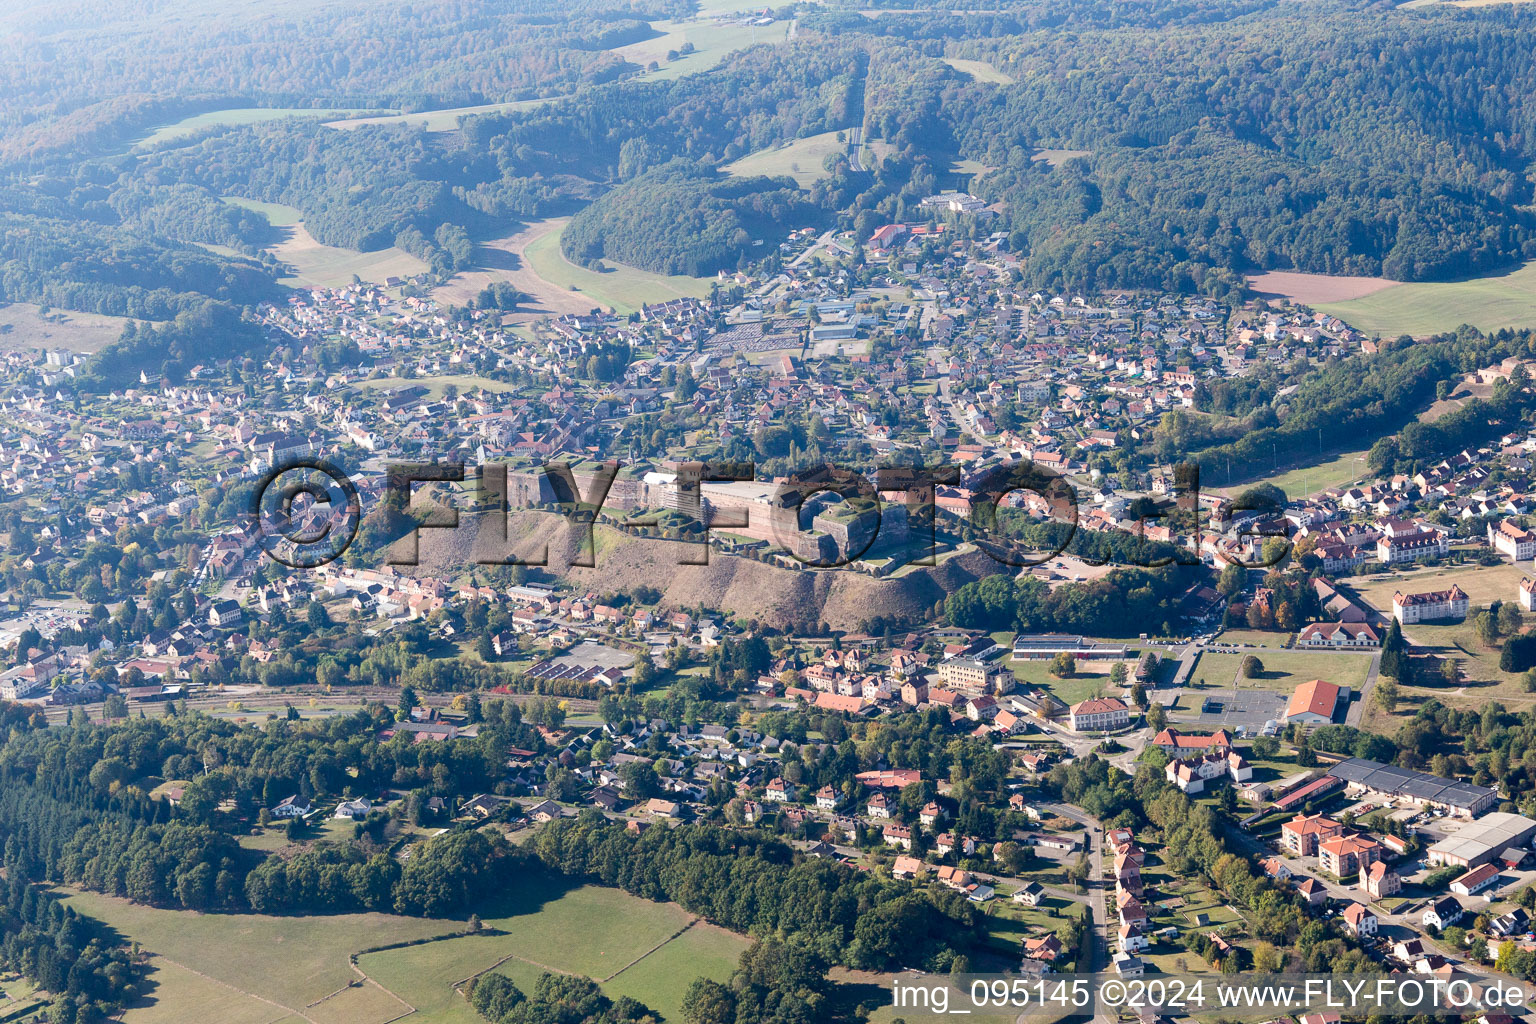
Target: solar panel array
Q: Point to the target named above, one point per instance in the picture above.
(1413, 785)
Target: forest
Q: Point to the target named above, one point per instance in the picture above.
(680, 219)
(1363, 396)
(1215, 141)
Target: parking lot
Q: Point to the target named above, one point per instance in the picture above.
(1240, 709)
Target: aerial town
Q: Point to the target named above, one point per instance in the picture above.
(1275, 686)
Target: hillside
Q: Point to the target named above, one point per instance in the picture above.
(783, 598)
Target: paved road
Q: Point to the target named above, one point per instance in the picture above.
(824, 240)
(855, 160)
(1357, 708)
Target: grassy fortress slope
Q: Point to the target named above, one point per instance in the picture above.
(784, 598)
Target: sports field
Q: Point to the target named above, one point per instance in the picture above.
(1488, 303)
(622, 289)
(800, 159)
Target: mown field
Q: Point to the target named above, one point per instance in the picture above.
(234, 117)
(1087, 682)
(1422, 308)
(23, 326)
(1335, 470)
(623, 289)
(800, 159)
(260, 969)
(1484, 584)
(445, 119)
(711, 42)
(980, 70)
(1480, 679)
(326, 266)
(1284, 670)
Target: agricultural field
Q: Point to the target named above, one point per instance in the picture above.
(259, 969)
(326, 266)
(1311, 289)
(623, 289)
(711, 40)
(649, 951)
(1284, 670)
(283, 964)
(800, 159)
(234, 117)
(1424, 308)
(443, 120)
(980, 70)
(24, 326)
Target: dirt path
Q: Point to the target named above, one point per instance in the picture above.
(504, 259)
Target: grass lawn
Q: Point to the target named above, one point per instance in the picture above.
(1484, 584)
(800, 159)
(623, 289)
(979, 70)
(437, 385)
(1255, 637)
(1334, 470)
(277, 214)
(1086, 683)
(1284, 670)
(1506, 299)
(1008, 924)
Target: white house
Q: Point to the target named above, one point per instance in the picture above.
(1512, 541)
(1100, 714)
(293, 807)
(1430, 606)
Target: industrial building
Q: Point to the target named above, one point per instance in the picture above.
(1482, 841)
(1383, 780)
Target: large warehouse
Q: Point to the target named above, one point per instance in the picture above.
(1384, 780)
(1480, 842)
